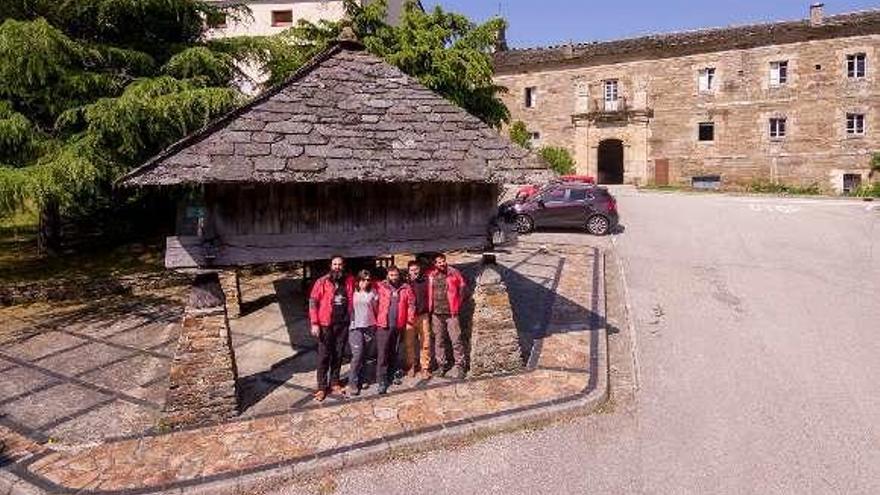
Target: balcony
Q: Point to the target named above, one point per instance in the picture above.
(619, 110)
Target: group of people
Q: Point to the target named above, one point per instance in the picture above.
(413, 309)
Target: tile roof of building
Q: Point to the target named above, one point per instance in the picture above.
(346, 115)
(688, 43)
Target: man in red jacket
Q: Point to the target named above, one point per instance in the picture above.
(330, 305)
(446, 287)
(397, 313)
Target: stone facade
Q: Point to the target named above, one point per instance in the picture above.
(661, 104)
(494, 339)
(203, 381)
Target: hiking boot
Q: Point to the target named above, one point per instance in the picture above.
(383, 388)
(456, 373)
(337, 388)
(398, 377)
(320, 395)
(425, 375)
(354, 390)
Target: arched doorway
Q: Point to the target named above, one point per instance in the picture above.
(610, 161)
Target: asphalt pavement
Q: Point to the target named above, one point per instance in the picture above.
(751, 364)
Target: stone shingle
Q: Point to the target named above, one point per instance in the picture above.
(346, 116)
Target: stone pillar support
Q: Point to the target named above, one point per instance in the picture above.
(229, 281)
(203, 380)
(495, 344)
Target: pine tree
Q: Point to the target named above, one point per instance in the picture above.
(90, 88)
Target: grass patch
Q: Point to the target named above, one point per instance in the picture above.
(765, 186)
(868, 191)
(20, 262)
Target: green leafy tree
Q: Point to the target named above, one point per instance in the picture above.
(560, 159)
(445, 51)
(520, 135)
(90, 88)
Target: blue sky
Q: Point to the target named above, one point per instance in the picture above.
(548, 22)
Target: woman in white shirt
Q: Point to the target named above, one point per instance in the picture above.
(363, 328)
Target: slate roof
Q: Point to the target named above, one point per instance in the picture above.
(660, 46)
(347, 115)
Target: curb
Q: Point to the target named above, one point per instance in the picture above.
(15, 482)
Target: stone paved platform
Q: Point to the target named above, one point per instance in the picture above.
(558, 298)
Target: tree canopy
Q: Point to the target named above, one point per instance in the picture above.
(91, 88)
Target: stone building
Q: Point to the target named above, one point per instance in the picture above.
(269, 17)
(794, 102)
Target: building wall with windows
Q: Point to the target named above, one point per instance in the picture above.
(795, 102)
(267, 18)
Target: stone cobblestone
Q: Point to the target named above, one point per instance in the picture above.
(552, 299)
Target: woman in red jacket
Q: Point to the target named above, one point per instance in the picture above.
(397, 312)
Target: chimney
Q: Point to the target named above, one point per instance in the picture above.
(501, 40)
(817, 14)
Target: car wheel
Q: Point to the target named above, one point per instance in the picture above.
(598, 225)
(524, 224)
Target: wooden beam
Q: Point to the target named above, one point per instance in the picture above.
(190, 252)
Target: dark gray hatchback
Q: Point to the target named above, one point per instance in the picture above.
(564, 205)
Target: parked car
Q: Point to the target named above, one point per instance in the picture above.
(527, 191)
(566, 205)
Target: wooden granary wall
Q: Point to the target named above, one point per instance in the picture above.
(265, 223)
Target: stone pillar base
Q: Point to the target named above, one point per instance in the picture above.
(494, 339)
(229, 281)
(203, 379)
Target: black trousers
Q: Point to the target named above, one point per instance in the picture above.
(386, 354)
(331, 344)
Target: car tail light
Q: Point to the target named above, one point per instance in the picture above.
(612, 204)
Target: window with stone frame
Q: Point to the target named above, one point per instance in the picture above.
(706, 79)
(778, 127)
(855, 124)
(282, 18)
(535, 139)
(706, 131)
(778, 73)
(856, 65)
(530, 97)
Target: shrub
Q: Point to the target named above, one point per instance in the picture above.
(519, 134)
(765, 186)
(875, 162)
(868, 191)
(559, 159)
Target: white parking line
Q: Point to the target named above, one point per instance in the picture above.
(773, 208)
(796, 201)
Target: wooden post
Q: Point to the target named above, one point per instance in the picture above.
(203, 380)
